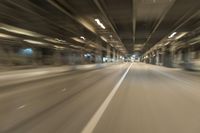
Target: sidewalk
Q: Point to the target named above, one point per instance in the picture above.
(24, 75)
(182, 70)
(11, 68)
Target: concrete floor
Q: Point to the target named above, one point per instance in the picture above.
(151, 99)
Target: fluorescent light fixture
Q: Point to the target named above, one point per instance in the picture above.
(82, 37)
(59, 47)
(181, 35)
(2, 35)
(20, 31)
(166, 43)
(138, 45)
(99, 23)
(61, 41)
(137, 49)
(75, 46)
(56, 40)
(172, 35)
(111, 44)
(91, 45)
(86, 24)
(192, 43)
(103, 38)
(51, 40)
(34, 42)
(77, 40)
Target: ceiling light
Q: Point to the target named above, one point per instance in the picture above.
(75, 46)
(86, 24)
(103, 38)
(59, 40)
(99, 23)
(82, 37)
(97, 20)
(51, 40)
(34, 42)
(6, 36)
(181, 35)
(20, 31)
(91, 45)
(59, 47)
(172, 35)
(77, 40)
(56, 40)
(166, 43)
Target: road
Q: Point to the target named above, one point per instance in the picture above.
(123, 98)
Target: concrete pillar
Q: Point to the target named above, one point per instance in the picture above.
(114, 52)
(98, 56)
(117, 56)
(157, 57)
(56, 57)
(82, 57)
(108, 53)
(187, 57)
(14, 58)
(162, 51)
(5, 57)
(154, 57)
(150, 58)
(167, 57)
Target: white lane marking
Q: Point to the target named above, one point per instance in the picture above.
(96, 117)
(21, 107)
(63, 90)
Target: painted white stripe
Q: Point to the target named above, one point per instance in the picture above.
(96, 117)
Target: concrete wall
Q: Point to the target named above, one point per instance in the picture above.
(180, 55)
(18, 56)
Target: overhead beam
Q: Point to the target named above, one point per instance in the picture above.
(77, 19)
(134, 20)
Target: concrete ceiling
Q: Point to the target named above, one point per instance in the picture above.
(130, 25)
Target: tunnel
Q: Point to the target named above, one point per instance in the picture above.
(99, 66)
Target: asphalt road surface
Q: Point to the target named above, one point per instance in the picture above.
(123, 98)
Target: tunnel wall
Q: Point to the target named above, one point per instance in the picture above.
(33, 56)
(189, 57)
(16, 55)
(180, 55)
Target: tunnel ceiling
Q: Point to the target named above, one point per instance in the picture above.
(130, 25)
